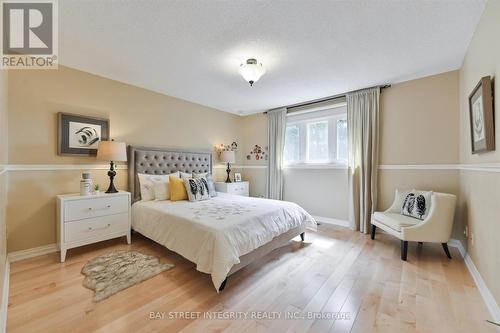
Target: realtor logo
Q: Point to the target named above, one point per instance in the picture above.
(29, 34)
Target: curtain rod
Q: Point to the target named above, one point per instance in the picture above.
(384, 86)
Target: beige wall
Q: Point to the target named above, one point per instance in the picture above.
(3, 177)
(322, 192)
(479, 191)
(419, 121)
(137, 116)
(254, 132)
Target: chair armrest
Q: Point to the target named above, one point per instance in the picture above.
(438, 224)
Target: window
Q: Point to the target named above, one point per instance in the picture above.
(292, 143)
(317, 141)
(318, 137)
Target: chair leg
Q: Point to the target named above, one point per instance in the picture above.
(303, 236)
(404, 250)
(445, 248)
(374, 228)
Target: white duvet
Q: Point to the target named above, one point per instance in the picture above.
(214, 233)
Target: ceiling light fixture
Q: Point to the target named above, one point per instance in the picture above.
(252, 71)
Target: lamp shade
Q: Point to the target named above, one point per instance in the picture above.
(112, 151)
(227, 156)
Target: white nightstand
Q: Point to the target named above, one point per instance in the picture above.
(89, 219)
(238, 188)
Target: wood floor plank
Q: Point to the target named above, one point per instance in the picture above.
(336, 270)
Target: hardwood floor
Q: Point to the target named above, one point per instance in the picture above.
(336, 270)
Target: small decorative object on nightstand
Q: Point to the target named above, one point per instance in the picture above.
(237, 177)
(86, 184)
(238, 188)
(228, 156)
(112, 151)
(84, 220)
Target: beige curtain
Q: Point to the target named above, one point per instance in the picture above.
(276, 140)
(362, 128)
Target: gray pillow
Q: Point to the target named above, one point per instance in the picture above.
(210, 181)
(197, 189)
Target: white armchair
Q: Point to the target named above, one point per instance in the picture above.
(435, 228)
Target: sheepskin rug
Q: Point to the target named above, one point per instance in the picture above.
(115, 271)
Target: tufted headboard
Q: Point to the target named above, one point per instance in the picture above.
(158, 161)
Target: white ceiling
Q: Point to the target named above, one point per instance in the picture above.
(310, 49)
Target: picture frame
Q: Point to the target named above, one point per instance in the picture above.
(237, 177)
(481, 115)
(79, 135)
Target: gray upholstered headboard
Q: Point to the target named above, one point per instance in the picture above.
(159, 161)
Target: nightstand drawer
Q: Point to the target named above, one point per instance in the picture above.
(94, 207)
(98, 227)
(238, 189)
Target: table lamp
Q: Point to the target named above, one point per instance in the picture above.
(227, 156)
(112, 151)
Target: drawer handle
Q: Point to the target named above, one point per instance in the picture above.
(108, 206)
(105, 227)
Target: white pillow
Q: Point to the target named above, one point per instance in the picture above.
(146, 182)
(186, 175)
(162, 190)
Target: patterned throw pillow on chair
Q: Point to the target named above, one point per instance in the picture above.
(416, 204)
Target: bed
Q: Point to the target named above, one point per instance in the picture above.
(220, 235)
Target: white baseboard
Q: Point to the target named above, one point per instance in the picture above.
(329, 220)
(30, 253)
(486, 294)
(458, 245)
(5, 298)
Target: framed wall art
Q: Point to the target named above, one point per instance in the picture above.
(481, 113)
(80, 135)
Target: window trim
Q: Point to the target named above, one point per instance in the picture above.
(302, 122)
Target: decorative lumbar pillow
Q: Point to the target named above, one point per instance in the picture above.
(146, 183)
(161, 186)
(177, 189)
(417, 204)
(210, 181)
(197, 189)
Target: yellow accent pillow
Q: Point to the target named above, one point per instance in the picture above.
(177, 189)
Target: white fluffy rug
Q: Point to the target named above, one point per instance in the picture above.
(115, 271)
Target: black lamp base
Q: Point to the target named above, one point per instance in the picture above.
(228, 170)
(111, 174)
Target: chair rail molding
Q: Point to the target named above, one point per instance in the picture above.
(482, 167)
(56, 167)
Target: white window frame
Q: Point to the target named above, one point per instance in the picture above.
(332, 115)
